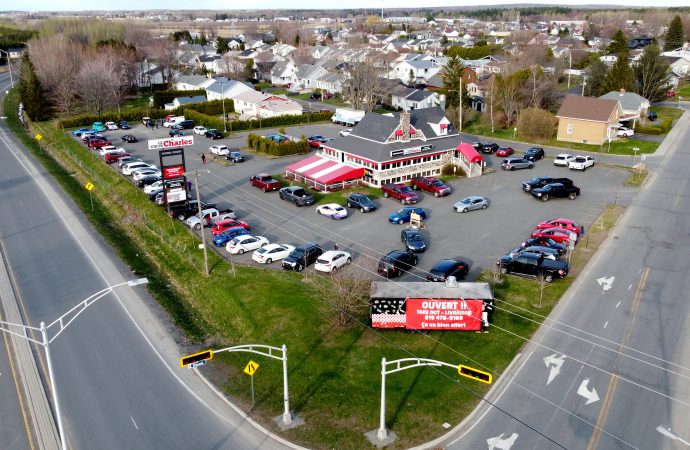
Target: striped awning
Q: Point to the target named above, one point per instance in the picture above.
(325, 170)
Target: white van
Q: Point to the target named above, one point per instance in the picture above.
(173, 121)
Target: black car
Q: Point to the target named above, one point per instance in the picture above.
(546, 242)
(361, 201)
(124, 125)
(534, 154)
(315, 96)
(652, 116)
(448, 268)
(397, 262)
(213, 134)
(184, 125)
(129, 138)
(302, 256)
(545, 251)
(175, 132)
(490, 148)
(533, 264)
(235, 157)
(413, 240)
(153, 194)
(148, 179)
(478, 146)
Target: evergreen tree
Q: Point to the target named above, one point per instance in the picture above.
(31, 91)
(651, 74)
(297, 39)
(249, 69)
(674, 35)
(618, 43)
(620, 76)
(222, 45)
(451, 82)
(598, 71)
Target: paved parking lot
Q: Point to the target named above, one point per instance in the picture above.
(478, 236)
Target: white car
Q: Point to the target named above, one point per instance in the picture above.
(140, 174)
(209, 215)
(581, 163)
(245, 243)
(111, 125)
(219, 149)
(332, 210)
(199, 130)
(272, 252)
(332, 260)
(108, 148)
(127, 169)
(346, 132)
(624, 132)
(563, 159)
(153, 187)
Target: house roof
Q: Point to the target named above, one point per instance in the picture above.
(190, 100)
(587, 108)
(419, 95)
(194, 80)
(223, 85)
(628, 100)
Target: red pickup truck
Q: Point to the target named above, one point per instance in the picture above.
(265, 181)
(430, 184)
(400, 191)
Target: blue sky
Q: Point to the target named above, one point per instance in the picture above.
(80, 5)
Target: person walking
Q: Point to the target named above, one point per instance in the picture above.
(203, 158)
(335, 246)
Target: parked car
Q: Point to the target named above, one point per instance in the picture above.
(148, 180)
(400, 191)
(98, 143)
(153, 195)
(265, 182)
(413, 240)
(559, 235)
(219, 226)
(126, 160)
(128, 138)
(111, 126)
(272, 252)
(201, 131)
(175, 132)
(147, 121)
(110, 149)
(556, 190)
(98, 127)
(86, 136)
(153, 186)
(208, 216)
(624, 132)
(471, 203)
(430, 184)
(670, 94)
(316, 140)
(78, 132)
(403, 214)
(245, 243)
(478, 146)
(184, 125)
(533, 264)
(505, 151)
(128, 168)
(448, 268)
(332, 210)
(361, 201)
(213, 134)
(538, 182)
(546, 252)
(345, 132)
(328, 95)
(566, 224)
(124, 125)
(332, 260)
(563, 159)
(279, 138)
(302, 256)
(140, 174)
(296, 194)
(113, 157)
(516, 163)
(490, 148)
(534, 154)
(220, 240)
(545, 242)
(652, 116)
(396, 262)
(581, 163)
(220, 149)
(235, 156)
(315, 96)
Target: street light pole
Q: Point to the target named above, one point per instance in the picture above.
(9, 65)
(53, 386)
(460, 106)
(225, 121)
(570, 64)
(201, 217)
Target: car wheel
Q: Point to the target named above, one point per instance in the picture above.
(385, 194)
(436, 194)
(484, 206)
(349, 260)
(531, 166)
(299, 268)
(281, 196)
(548, 278)
(544, 198)
(512, 168)
(504, 270)
(402, 200)
(349, 205)
(400, 221)
(572, 196)
(197, 226)
(265, 190)
(297, 203)
(362, 210)
(414, 186)
(240, 251)
(269, 261)
(180, 217)
(465, 210)
(414, 261)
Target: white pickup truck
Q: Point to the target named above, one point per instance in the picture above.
(581, 163)
(209, 215)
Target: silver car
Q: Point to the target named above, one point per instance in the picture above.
(470, 203)
(516, 163)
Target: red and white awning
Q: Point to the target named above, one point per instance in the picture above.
(325, 170)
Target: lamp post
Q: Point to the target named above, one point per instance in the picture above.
(225, 120)
(584, 82)
(195, 173)
(60, 324)
(9, 65)
(570, 64)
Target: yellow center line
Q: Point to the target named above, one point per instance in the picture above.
(610, 391)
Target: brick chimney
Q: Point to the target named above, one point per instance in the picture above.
(405, 125)
(622, 92)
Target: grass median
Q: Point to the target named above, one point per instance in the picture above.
(334, 372)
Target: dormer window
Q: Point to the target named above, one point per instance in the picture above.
(444, 128)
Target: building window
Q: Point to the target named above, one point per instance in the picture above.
(569, 128)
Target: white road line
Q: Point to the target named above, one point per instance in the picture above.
(135, 424)
(607, 322)
(630, 287)
(618, 304)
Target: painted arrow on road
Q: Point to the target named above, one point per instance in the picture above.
(498, 443)
(554, 363)
(591, 396)
(606, 283)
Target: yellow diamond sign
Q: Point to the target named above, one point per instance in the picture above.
(251, 368)
(38, 137)
(89, 186)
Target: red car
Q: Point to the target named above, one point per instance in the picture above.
(265, 181)
(560, 235)
(222, 225)
(98, 143)
(111, 158)
(505, 151)
(566, 224)
(671, 94)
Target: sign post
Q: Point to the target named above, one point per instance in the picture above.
(250, 369)
(89, 187)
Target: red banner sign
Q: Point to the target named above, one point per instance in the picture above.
(173, 171)
(430, 314)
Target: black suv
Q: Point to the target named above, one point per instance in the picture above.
(448, 268)
(534, 154)
(534, 264)
(490, 148)
(175, 132)
(302, 256)
(413, 240)
(361, 201)
(315, 96)
(213, 134)
(397, 262)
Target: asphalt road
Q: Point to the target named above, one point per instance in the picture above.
(116, 366)
(615, 347)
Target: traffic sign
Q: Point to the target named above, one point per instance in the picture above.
(196, 357)
(89, 186)
(251, 368)
(197, 364)
(477, 375)
(38, 137)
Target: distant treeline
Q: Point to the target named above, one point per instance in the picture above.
(13, 37)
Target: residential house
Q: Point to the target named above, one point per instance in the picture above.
(210, 63)
(305, 77)
(416, 70)
(282, 73)
(330, 82)
(414, 99)
(254, 104)
(15, 53)
(264, 69)
(225, 88)
(633, 106)
(181, 101)
(609, 60)
(588, 120)
(192, 82)
(680, 67)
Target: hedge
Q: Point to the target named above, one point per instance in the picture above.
(665, 127)
(160, 98)
(270, 122)
(212, 107)
(270, 147)
(131, 115)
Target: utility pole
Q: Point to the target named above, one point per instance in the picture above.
(225, 119)
(570, 64)
(201, 217)
(584, 82)
(460, 106)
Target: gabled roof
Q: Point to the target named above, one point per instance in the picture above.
(628, 100)
(587, 108)
(305, 70)
(419, 95)
(190, 100)
(223, 85)
(194, 80)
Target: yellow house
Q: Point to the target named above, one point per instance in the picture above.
(588, 120)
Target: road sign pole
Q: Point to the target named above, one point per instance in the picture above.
(252, 383)
(287, 417)
(91, 197)
(53, 386)
(382, 434)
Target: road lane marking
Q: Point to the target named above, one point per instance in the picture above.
(135, 424)
(618, 304)
(607, 322)
(630, 286)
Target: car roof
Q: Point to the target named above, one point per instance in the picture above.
(446, 264)
(331, 253)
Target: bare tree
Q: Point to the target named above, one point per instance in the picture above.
(57, 62)
(91, 78)
(507, 93)
(115, 74)
(232, 67)
(164, 53)
(362, 87)
(302, 55)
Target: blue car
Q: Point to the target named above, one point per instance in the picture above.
(79, 131)
(226, 236)
(403, 214)
(98, 127)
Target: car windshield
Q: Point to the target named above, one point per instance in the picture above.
(414, 237)
(405, 189)
(363, 198)
(437, 183)
(297, 253)
(466, 201)
(402, 211)
(299, 193)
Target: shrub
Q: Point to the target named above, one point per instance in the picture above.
(270, 147)
(447, 170)
(132, 115)
(213, 107)
(535, 123)
(663, 128)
